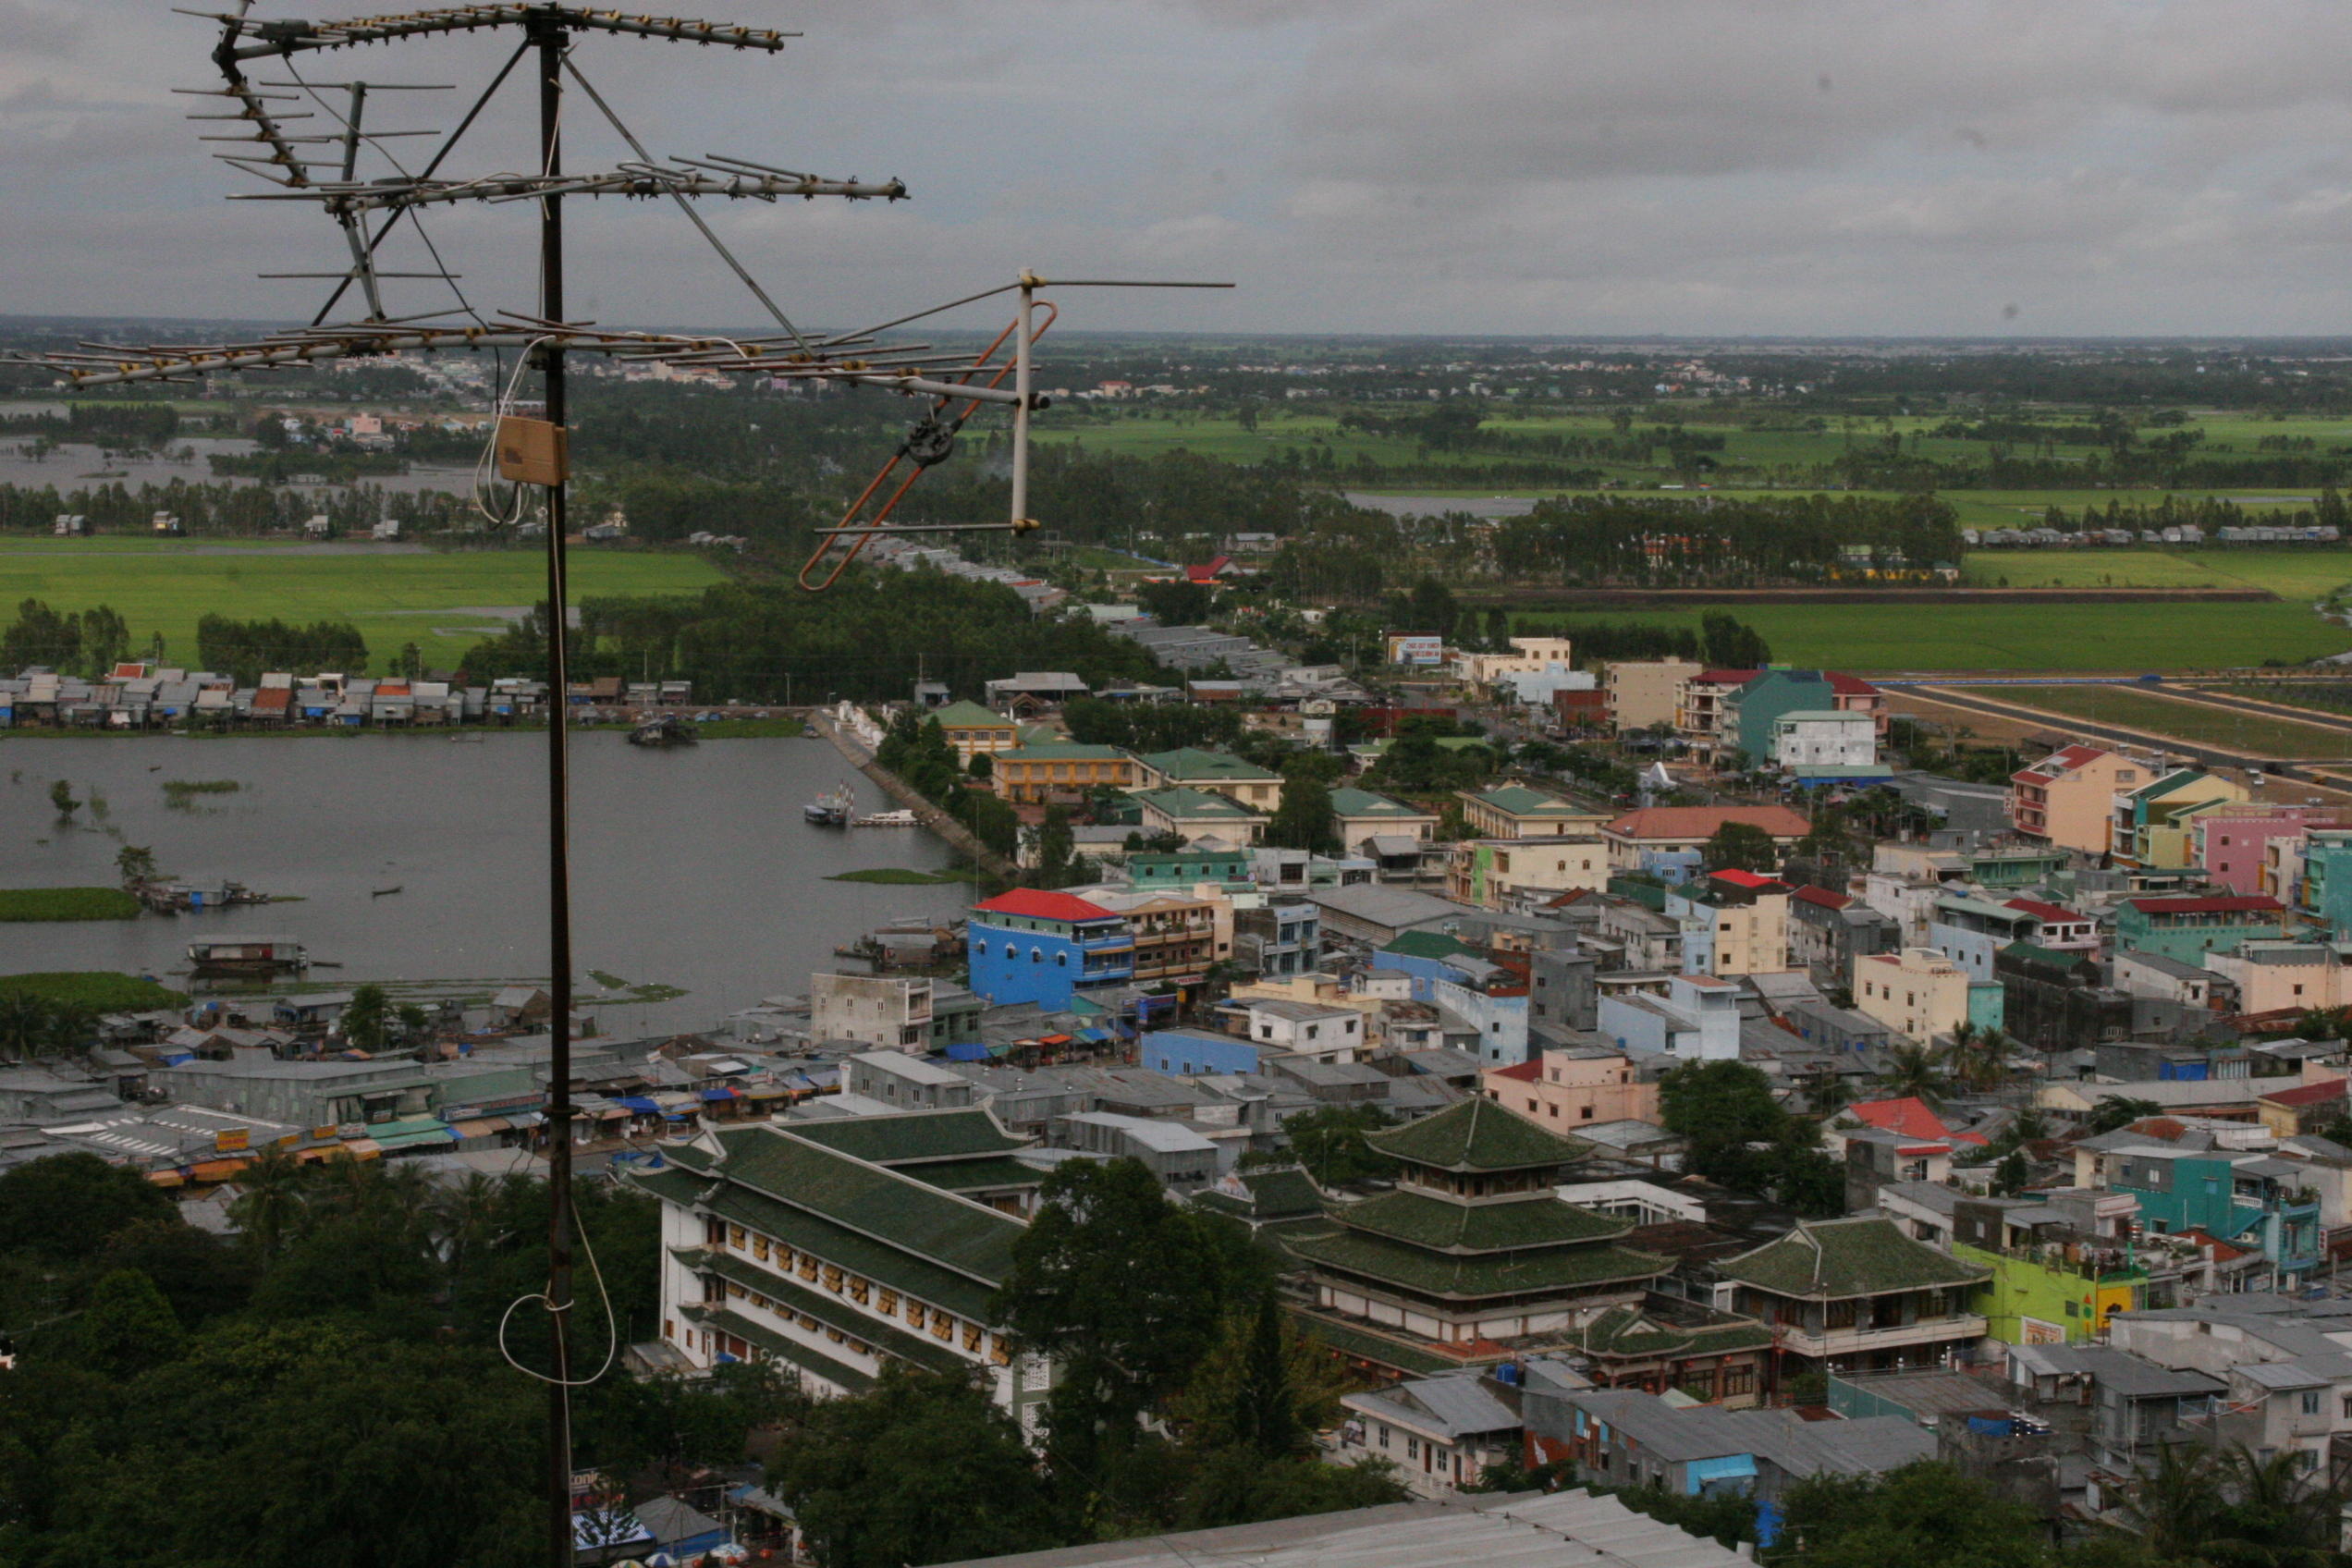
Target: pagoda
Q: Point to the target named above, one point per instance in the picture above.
(1475, 1243)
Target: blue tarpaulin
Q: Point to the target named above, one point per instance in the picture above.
(638, 1103)
(967, 1050)
(1094, 1036)
(721, 1094)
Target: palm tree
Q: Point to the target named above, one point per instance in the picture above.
(1913, 1071)
(24, 1023)
(2177, 1506)
(1826, 1094)
(1980, 1058)
(71, 1027)
(271, 1194)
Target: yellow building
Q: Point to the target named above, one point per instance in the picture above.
(1642, 693)
(1030, 774)
(1921, 993)
(1529, 656)
(1514, 811)
(1508, 872)
(973, 730)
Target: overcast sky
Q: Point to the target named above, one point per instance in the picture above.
(1538, 167)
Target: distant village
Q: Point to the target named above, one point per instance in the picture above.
(2072, 1045)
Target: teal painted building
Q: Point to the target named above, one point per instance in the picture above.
(2327, 879)
(2185, 928)
(1772, 696)
(2249, 1201)
(1180, 870)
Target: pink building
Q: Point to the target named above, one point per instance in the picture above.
(2229, 840)
(1563, 1089)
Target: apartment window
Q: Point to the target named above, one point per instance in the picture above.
(1384, 1437)
(2310, 1402)
(1588, 1113)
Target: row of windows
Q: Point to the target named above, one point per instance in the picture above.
(1013, 954)
(942, 1324)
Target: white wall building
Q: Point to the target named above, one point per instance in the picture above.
(873, 1010)
(1695, 1019)
(1824, 738)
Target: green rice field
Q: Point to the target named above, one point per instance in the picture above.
(2263, 733)
(443, 602)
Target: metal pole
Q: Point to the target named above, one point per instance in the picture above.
(1021, 375)
(549, 35)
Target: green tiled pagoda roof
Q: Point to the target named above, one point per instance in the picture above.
(893, 1209)
(1065, 751)
(1492, 1274)
(917, 1136)
(901, 1270)
(989, 1170)
(782, 1346)
(1348, 1340)
(677, 1186)
(1423, 1221)
(1477, 1134)
(1832, 1259)
(1627, 1332)
(826, 1308)
(1286, 1194)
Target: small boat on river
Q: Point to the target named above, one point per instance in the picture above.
(663, 730)
(266, 957)
(832, 808)
(887, 819)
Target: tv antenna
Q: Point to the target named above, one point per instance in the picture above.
(307, 146)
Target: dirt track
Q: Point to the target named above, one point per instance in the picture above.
(1568, 598)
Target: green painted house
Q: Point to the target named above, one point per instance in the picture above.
(2184, 928)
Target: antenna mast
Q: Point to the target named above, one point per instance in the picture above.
(957, 383)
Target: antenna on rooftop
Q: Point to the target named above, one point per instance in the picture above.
(307, 147)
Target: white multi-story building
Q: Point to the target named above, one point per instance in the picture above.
(1825, 738)
(1695, 1019)
(832, 1247)
(890, 1011)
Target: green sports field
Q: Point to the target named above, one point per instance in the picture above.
(440, 600)
(2128, 638)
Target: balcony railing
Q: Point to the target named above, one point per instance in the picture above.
(1848, 1342)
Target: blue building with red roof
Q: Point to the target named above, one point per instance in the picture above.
(1034, 946)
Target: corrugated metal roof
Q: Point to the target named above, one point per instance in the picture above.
(1527, 1531)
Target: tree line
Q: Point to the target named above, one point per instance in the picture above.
(868, 640)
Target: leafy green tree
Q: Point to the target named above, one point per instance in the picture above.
(127, 1326)
(846, 1475)
(1923, 1515)
(61, 795)
(1056, 846)
(1328, 1141)
(1303, 819)
(70, 1205)
(2114, 1111)
(364, 1019)
(1126, 1291)
(203, 1276)
(1178, 603)
(135, 863)
(1740, 846)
